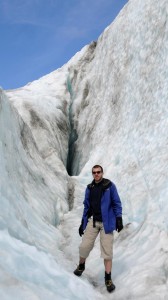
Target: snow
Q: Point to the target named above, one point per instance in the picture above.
(107, 105)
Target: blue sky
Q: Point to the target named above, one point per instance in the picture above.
(39, 36)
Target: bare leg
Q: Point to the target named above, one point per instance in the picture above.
(108, 265)
(82, 260)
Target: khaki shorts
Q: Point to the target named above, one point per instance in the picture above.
(88, 240)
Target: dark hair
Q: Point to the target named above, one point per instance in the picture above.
(97, 166)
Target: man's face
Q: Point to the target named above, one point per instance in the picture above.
(97, 174)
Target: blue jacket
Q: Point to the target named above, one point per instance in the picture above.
(110, 205)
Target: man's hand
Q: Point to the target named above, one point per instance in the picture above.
(81, 229)
(119, 224)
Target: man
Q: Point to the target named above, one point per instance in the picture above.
(102, 214)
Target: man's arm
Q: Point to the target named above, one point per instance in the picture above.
(116, 202)
(86, 203)
(84, 220)
(117, 207)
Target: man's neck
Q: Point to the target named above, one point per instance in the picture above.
(98, 180)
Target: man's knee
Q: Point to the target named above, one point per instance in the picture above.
(84, 249)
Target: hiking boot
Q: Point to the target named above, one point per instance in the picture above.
(109, 285)
(79, 270)
(108, 282)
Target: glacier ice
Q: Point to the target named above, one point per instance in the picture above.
(107, 105)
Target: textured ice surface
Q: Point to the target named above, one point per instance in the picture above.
(107, 105)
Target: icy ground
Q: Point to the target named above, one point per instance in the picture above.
(107, 105)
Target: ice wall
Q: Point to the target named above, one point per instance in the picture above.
(107, 105)
(30, 200)
(120, 107)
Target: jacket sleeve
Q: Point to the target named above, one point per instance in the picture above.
(116, 202)
(86, 203)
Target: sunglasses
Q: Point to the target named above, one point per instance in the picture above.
(98, 172)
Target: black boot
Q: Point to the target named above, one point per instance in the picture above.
(79, 270)
(108, 282)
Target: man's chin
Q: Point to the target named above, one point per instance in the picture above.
(98, 179)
